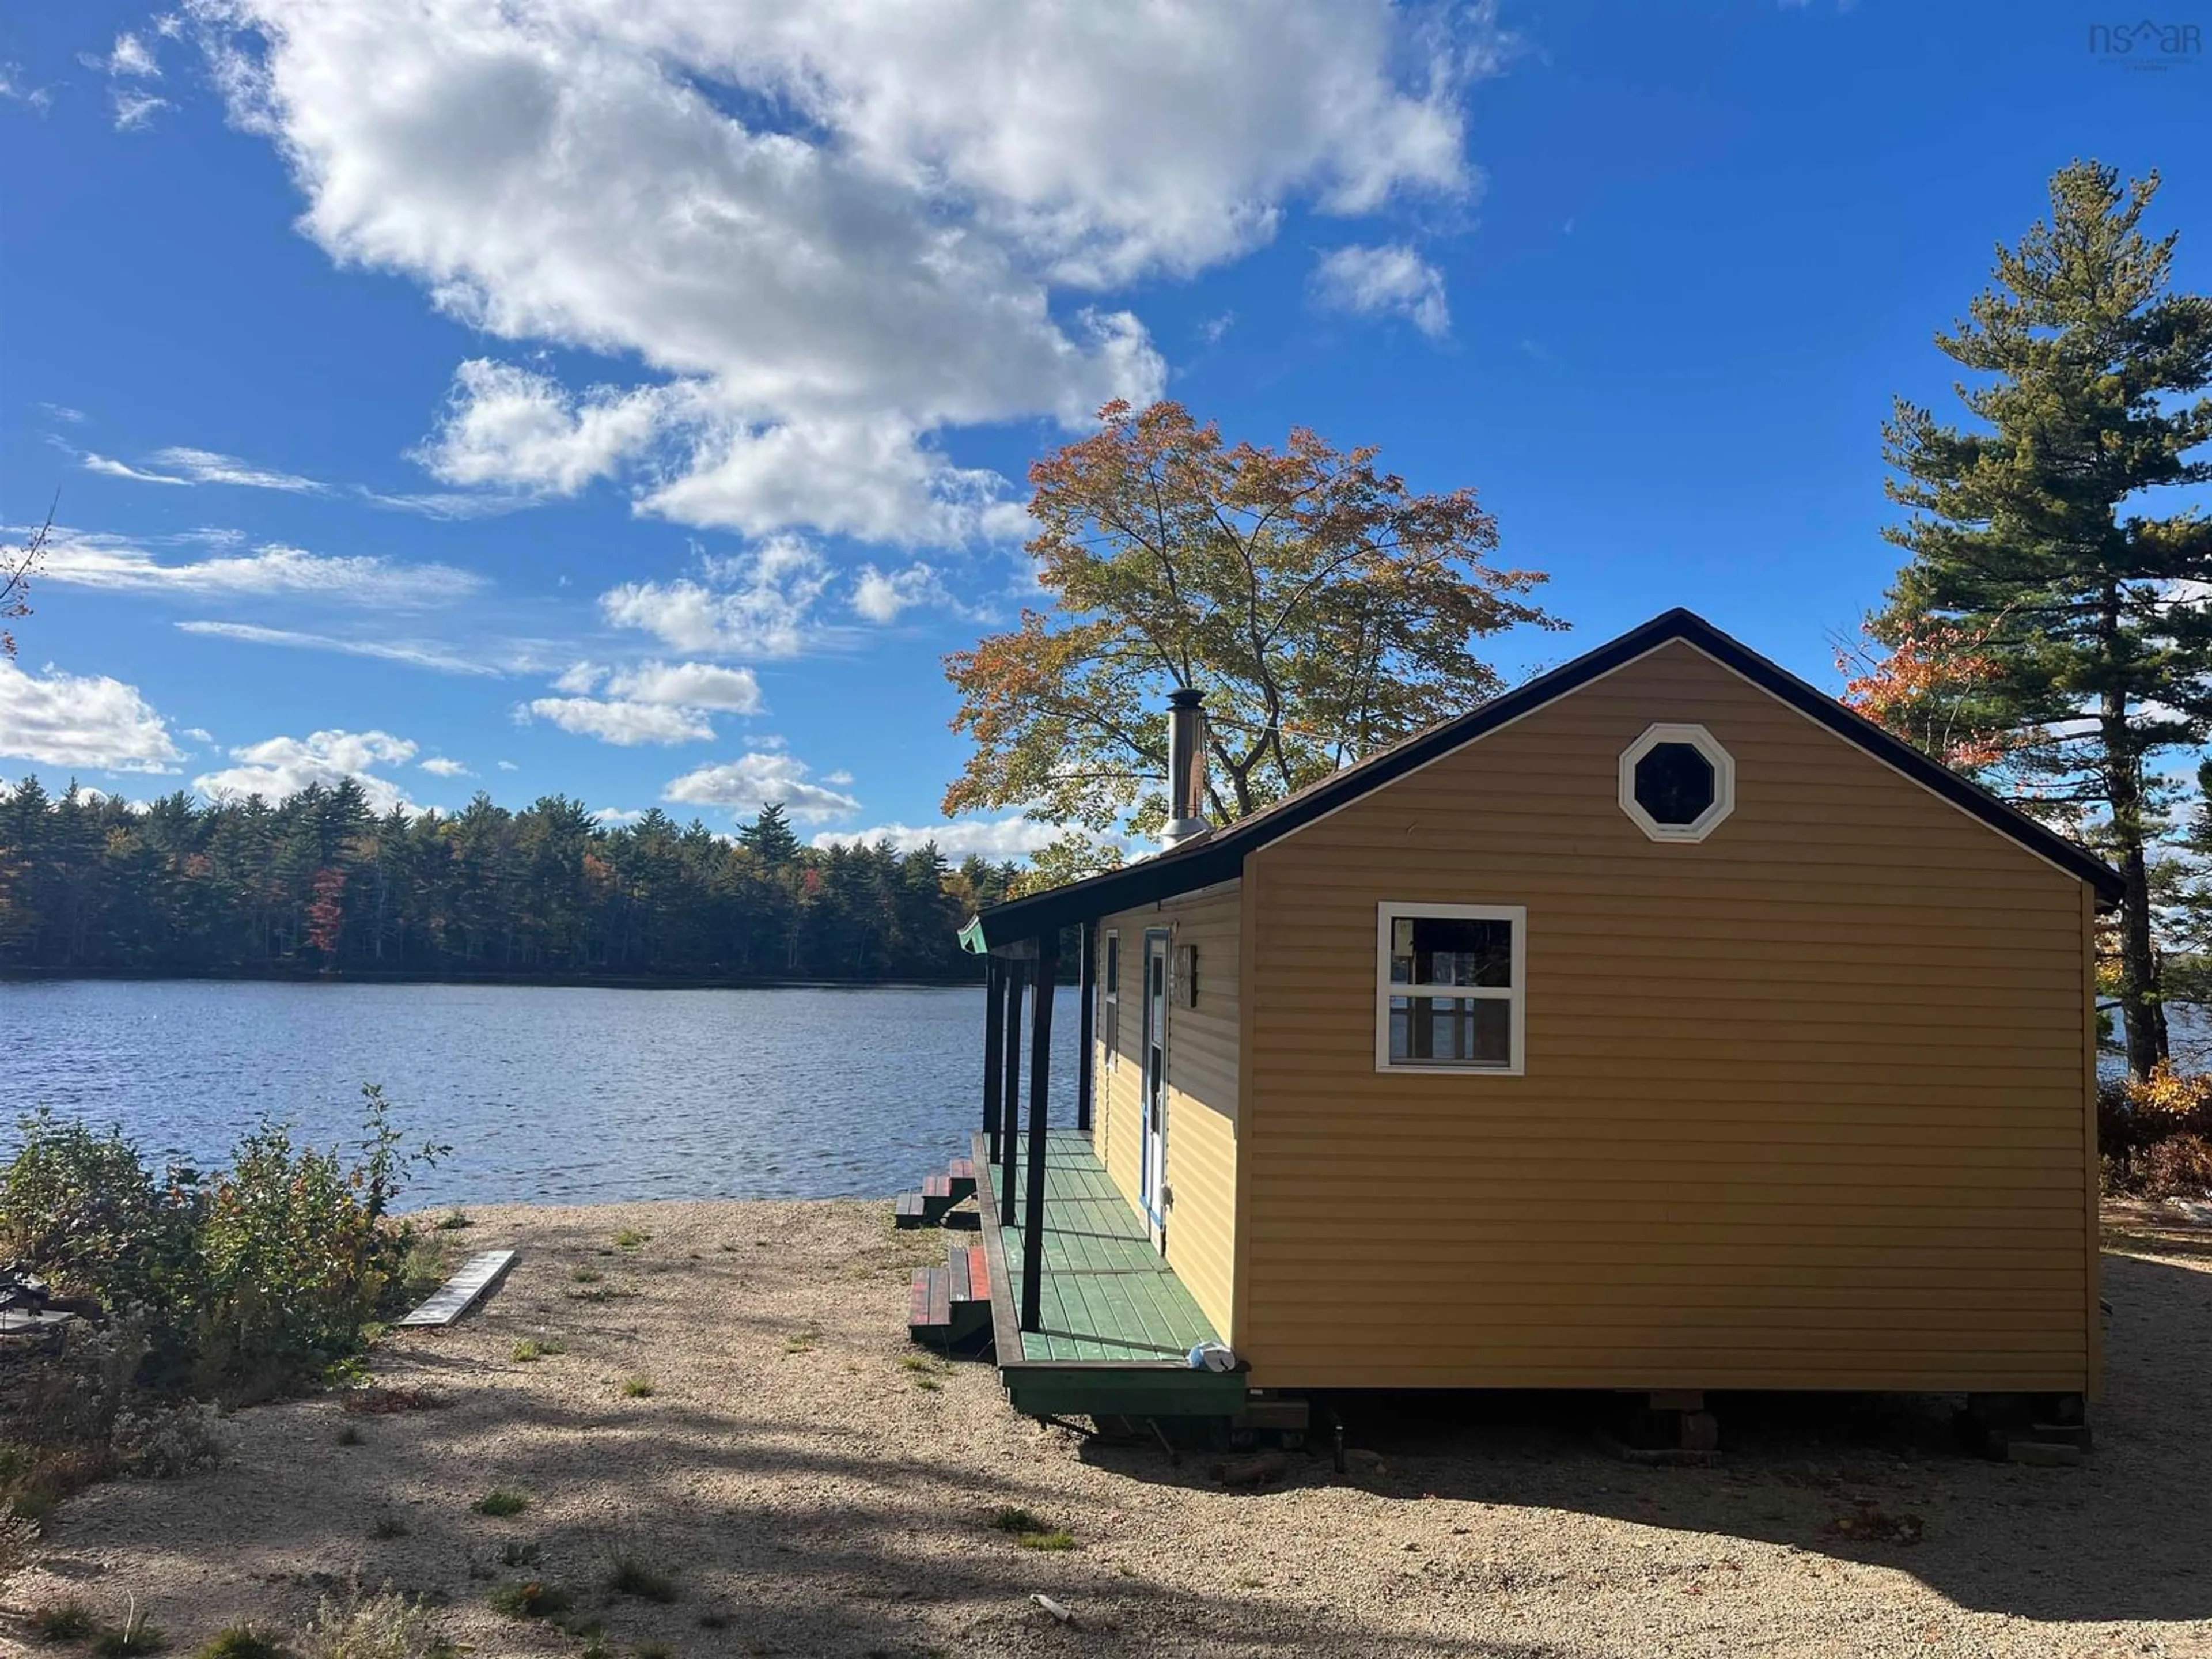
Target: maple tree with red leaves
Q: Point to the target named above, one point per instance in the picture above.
(1324, 607)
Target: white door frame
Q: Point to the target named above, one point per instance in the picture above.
(1151, 1177)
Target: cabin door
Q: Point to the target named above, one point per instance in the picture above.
(1153, 1177)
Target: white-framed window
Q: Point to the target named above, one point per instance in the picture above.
(1677, 783)
(1448, 983)
(1109, 992)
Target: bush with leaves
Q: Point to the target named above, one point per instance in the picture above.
(2152, 1132)
(258, 1280)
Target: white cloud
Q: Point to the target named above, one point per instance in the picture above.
(413, 654)
(135, 110)
(615, 817)
(579, 679)
(114, 469)
(12, 86)
(685, 685)
(206, 466)
(881, 595)
(61, 411)
(94, 560)
(752, 781)
(55, 719)
(509, 766)
(829, 233)
(200, 734)
(284, 766)
(996, 839)
(505, 425)
(623, 723)
(438, 766)
(1388, 281)
(754, 603)
(133, 57)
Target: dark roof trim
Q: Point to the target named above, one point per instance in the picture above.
(1220, 856)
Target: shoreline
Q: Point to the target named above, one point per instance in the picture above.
(552, 982)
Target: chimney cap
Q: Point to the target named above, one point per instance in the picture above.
(1186, 696)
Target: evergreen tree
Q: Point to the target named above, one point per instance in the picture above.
(770, 838)
(2092, 620)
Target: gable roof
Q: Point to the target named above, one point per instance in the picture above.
(1220, 855)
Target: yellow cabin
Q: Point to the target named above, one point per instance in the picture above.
(1661, 1026)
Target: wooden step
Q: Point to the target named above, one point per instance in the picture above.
(971, 1273)
(929, 1305)
(911, 1212)
(961, 1172)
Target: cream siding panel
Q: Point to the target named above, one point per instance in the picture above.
(1202, 1091)
(1804, 1104)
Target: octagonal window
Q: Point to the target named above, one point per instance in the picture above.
(1677, 782)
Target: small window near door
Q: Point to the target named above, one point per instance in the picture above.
(1110, 987)
(1449, 987)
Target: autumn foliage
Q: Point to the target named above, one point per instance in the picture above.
(1324, 607)
(1927, 687)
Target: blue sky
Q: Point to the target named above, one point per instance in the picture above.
(630, 402)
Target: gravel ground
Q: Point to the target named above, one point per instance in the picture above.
(815, 1495)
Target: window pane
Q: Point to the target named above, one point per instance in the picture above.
(1451, 1031)
(1451, 951)
(1674, 784)
(1112, 964)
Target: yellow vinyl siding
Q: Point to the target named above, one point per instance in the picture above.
(1804, 1104)
(1201, 1089)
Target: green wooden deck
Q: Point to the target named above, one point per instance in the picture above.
(1116, 1325)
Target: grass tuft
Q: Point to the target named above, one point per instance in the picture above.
(587, 1275)
(1013, 1519)
(530, 1598)
(655, 1651)
(350, 1435)
(600, 1293)
(518, 1555)
(1058, 1539)
(452, 1221)
(501, 1501)
(629, 1238)
(712, 1620)
(533, 1348)
(373, 1624)
(388, 1527)
(802, 1341)
(134, 1636)
(240, 1642)
(1029, 1532)
(631, 1576)
(638, 1387)
(72, 1621)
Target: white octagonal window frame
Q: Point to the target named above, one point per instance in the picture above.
(1705, 743)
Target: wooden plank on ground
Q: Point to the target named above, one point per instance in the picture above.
(461, 1292)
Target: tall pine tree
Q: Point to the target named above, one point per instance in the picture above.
(2034, 531)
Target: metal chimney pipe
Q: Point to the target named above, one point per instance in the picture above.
(1186, 765)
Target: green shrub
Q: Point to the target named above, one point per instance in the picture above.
(240, 1642)
(384, 1625)
(1011, 1519)
(631, 1576)
(501, 1501)
(638, 1387)
(517, 1555)
(1058, 1539)
(530, 1598)
(69, 1622)
(132, 1637)
(258, 1280)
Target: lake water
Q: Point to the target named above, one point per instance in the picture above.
(559, 1094)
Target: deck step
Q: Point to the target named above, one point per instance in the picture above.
(911, 1211)
(971, 1273)
(961, 1173)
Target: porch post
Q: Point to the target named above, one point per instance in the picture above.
(1047, 964)
(994, 1043)
(1086, 1014)
(1010, 1094)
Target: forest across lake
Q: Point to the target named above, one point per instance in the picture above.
(321, 884)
